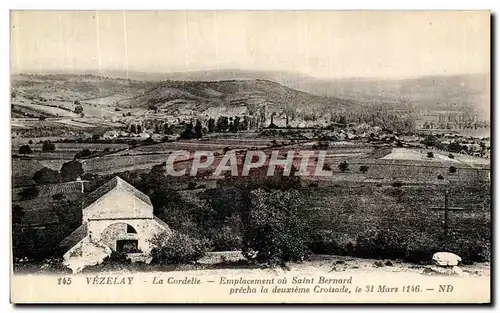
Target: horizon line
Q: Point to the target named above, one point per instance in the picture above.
(96, 72)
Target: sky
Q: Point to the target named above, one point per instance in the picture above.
(323, 44)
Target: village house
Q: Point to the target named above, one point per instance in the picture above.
(116, 217)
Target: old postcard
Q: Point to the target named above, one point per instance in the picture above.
(250, 157)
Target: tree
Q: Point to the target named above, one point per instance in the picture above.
(363, 169)
(245, 124)
(71, 170)
(452, 169)
(48, 146)
(275, 232)
(430, 154)
(17, 215)
(454, 147)
(68, 212)
(78, 109)
(198, 129)
(28, 193)
(344, 166)
(139, 129)
(188, 133)
(451, 156)
(222, 124)
(85, 153)
(26, 149)
(430, 141)
(177, 248)
(440, 177)
(133, 129)
(211, 125)
(398, 190)
(236, 124)
(46, 176)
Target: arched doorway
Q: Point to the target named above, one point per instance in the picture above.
(121, 237)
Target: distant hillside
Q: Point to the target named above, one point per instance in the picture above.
(202, 95)
(200, 89)
(455, 92)
(57, 95)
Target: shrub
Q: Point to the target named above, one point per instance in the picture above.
(440, 177)
(71, 170)
(46, 176)
(327, 243)
(25, 149)
(275, 233)
(430, 154)
(452, 169)
(117, 258)
(29, 192)
(177, 249)
(397, 184)
(85, 153)
(381, 244)
(78, 109)
(363, 169)
(226, 239)
(451, 156)
(48, 146)
(344, 166)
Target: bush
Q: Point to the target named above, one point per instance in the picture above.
(117, 258)
(78, 109)
(275, 232)
(177, 249)
(46, 176)
(226, 239)
(381, 244)
(70, 171)
(430, 154)
(452, 170)
(328, 243)
(451, 156)
(344, 166)
(440, 177)
(363, 169)
(85, 153)
(48, 146)
(28, 193)
(25, 149)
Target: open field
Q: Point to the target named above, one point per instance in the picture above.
(439, 156)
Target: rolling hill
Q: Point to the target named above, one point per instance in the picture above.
(57, 95)
(455, 92)
(203, 95)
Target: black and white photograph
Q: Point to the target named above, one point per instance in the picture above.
(191, 156)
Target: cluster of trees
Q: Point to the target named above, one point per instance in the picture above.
(454, 147)
(47, 145)
(69, 171)
(37, 244)
(192, 132)
(228, 124)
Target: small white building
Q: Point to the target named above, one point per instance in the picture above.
(116, 217)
